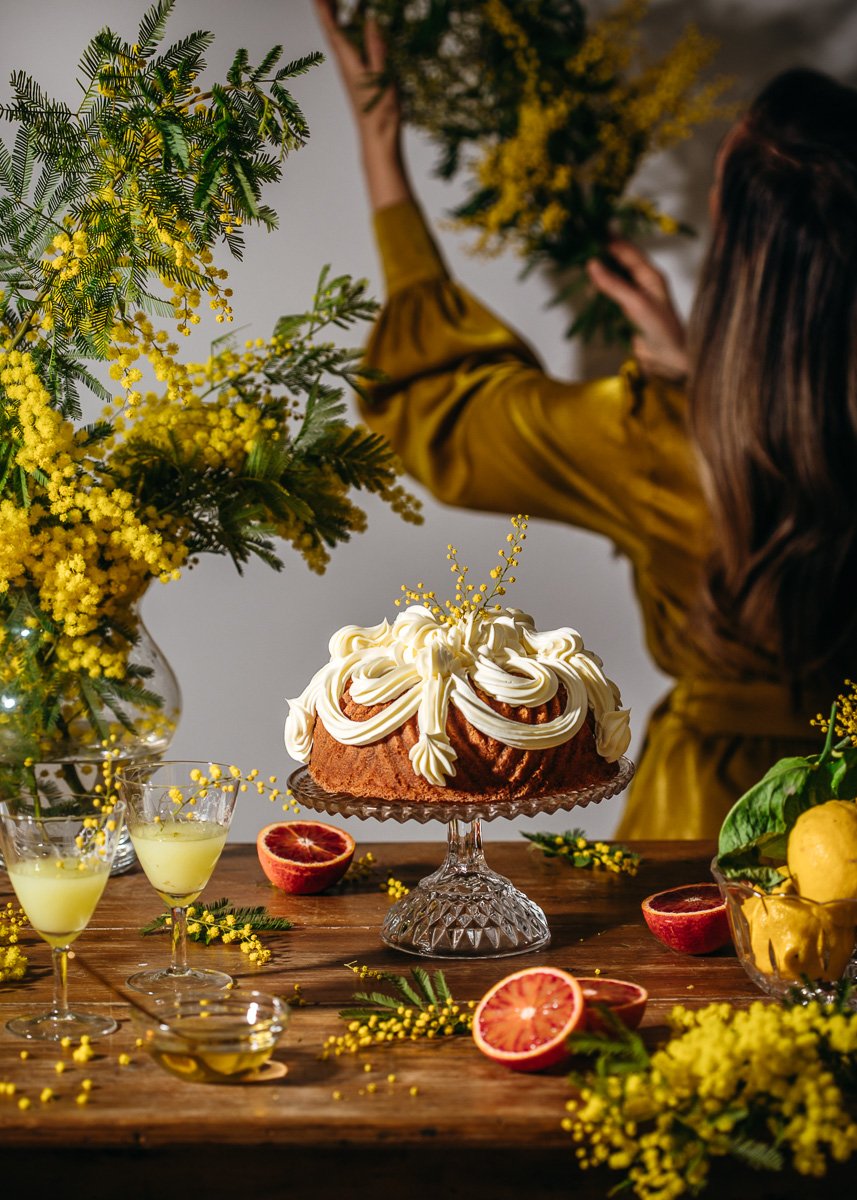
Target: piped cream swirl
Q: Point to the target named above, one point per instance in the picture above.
(419, 665)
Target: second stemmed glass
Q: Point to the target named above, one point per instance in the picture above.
(178, 816)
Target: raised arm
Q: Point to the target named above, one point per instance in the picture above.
(379, 127)
(643, 293)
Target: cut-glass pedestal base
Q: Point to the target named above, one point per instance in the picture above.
(464, 909)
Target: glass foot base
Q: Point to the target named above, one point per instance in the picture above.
(52, 1026)
(465, 914)
(187, 983)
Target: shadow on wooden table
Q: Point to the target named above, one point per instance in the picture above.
(332, 1171)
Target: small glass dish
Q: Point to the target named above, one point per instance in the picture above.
(790, 945)
(213, 1039)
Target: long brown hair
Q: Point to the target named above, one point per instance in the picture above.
(774, 383)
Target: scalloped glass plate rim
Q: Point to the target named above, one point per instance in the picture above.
(313, 796)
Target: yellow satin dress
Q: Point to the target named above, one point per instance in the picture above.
(474, 417)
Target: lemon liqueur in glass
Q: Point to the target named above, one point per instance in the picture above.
(59, 865)
(225, 1038)
(179, 815)
(58, 895)
(178, 856)
(187, 1052)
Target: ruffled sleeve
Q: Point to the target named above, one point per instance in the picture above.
(472, 414)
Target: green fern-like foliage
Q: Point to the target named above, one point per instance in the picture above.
(112, 216)
(425, 991)
(256, 917)
(147, 153)
(415, 1008)
(294, 480)
(617, 1051)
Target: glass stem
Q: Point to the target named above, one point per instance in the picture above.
(178, 966)
(59, 958)
(464, 846)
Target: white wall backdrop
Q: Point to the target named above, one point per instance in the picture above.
(240, 646)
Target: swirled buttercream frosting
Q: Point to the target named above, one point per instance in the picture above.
(484, 704)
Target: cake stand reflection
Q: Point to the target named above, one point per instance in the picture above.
(464, 909)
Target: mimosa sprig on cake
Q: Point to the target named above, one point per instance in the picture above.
(469, 597)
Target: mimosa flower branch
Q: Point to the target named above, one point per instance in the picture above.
(111, 214)
(725, 1083)
(13, 961)
(220, 920)
(471, 598)
(546, 115)
(575, 849)
(414, 1009)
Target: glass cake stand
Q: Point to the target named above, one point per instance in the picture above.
(464, 909)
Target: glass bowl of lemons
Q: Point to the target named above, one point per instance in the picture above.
(227, 1038)
(790, 945)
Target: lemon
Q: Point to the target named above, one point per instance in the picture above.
(179, 1064)
(822, 852)
(791, 936)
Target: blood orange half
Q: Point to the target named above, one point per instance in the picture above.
(524, 1020)
(304, 857)
(625, 1000)
(691, 919)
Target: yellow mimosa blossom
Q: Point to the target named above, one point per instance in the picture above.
(727, 1077)
(109, 251)
(552, 126)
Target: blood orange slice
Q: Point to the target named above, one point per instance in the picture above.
(304, 857)
(524, 1020)
(625, 1000)
(691, 919)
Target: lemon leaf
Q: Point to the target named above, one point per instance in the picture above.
(760, 812)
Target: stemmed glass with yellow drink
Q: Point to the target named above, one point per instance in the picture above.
(178, 816)
(58, 859)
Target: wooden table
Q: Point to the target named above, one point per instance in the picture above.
(474, 1129)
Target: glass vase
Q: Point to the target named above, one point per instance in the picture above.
(63, 735)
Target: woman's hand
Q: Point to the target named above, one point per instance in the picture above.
(379, 126)
(660, 345)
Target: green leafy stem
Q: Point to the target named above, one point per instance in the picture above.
(258, 918)
(754, 836)
(574, 848)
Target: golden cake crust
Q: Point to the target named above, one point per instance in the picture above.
(484, 769)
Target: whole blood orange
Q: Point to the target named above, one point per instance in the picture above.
(691, 919)
(625, 1000)
(524, 1020)
(304, 857)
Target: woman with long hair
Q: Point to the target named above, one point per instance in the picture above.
(722, 464)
